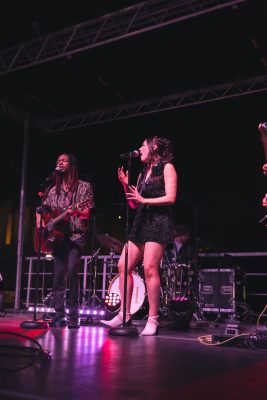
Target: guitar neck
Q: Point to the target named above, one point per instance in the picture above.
(64, 214)
(60, 217)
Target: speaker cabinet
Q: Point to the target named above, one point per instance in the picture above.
(217, 290)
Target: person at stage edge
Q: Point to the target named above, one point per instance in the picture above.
(68, 192)
(264, 170)
(152, 228)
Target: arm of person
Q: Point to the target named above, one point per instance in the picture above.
(123, 178)
(171, 182)
(38, 220)
(86, 196)
(38, 215)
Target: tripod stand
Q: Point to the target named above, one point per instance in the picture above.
(94, 299)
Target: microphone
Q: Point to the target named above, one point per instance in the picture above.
(52, 176)
(131, 154)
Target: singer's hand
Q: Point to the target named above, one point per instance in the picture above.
(134, 195)
(123, 176)
(264, 201)
(264, 169)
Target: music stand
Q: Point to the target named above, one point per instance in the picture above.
(35, 323)
(125, 330)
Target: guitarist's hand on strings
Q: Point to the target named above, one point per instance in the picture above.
(78, 212)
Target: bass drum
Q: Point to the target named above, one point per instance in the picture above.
(139, 291)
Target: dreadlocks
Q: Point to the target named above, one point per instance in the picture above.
(73, 176)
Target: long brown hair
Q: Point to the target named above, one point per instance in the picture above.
(160, 150)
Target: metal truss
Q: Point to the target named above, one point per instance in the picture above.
(19, 115)
(130, 21)
(12, 112)
(175, 101)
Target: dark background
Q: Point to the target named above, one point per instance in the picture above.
(218, 153)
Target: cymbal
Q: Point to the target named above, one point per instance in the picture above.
(110, 242)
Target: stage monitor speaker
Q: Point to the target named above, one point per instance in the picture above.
(217, 290)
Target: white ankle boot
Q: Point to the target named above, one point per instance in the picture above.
(151, 327)
(116, 321)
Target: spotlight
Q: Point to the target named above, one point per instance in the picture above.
(112, 302)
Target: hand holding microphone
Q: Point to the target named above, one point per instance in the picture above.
(123, 176)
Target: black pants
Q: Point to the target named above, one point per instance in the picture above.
(67, 258)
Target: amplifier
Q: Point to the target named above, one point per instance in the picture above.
(217, 290)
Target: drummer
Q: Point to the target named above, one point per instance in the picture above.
(182, 249)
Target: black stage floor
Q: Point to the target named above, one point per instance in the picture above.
(89, 363)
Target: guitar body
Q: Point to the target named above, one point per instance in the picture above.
(48, 238)
(53, 232)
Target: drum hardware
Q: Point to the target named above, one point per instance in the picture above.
(110, 242)
(177, 281)
(93, 298)
(111, 263)
(47, 300)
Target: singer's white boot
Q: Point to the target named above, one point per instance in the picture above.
(152, 326)
(116, 321)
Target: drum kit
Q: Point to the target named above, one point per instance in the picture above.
(177, 280)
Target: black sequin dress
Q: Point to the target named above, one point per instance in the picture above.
(152, 223)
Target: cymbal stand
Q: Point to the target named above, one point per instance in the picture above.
(94, 259)
(167, 290)
(112, 263)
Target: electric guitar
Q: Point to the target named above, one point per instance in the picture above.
(53, 231)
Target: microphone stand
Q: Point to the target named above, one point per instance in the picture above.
(125, 330)
(37, 323)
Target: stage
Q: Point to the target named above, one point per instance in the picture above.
(62, 363)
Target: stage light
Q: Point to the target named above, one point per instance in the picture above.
(112, 302)
(82, 311)
(42, 309)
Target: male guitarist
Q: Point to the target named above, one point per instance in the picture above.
(72, 198)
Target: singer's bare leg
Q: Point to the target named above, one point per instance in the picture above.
(153, 254)
(135, 254)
